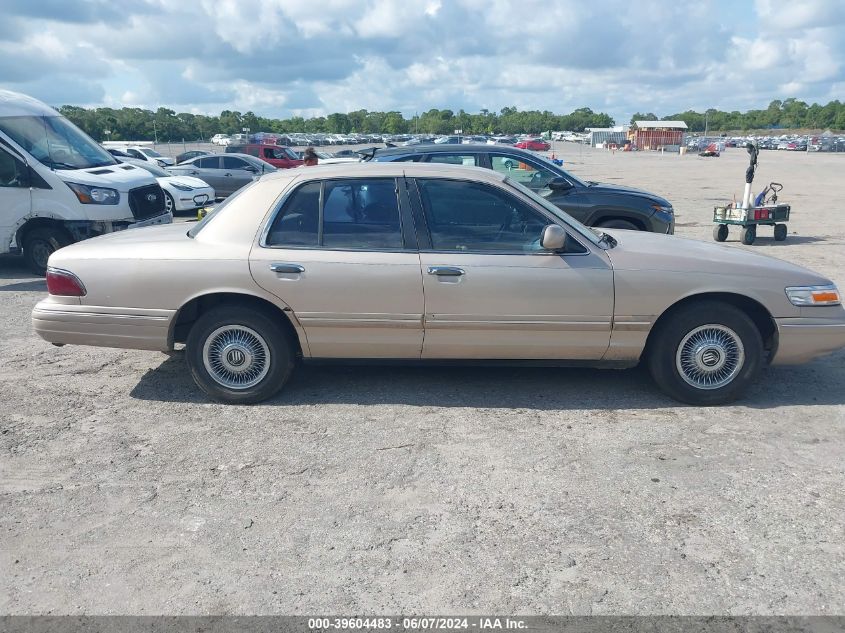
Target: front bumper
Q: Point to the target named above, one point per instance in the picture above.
(804, 338)
(102, 326)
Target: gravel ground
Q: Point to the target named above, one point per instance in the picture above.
(373, 490)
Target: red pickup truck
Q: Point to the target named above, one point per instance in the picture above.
(280, 157)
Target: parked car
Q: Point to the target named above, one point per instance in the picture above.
(226, 173)
(534, 144)
(181, 193)
(181, 158)
(148, 154)
(424, 262)
(592, 203)
(220, 139)
(58, 186)
(279, 157)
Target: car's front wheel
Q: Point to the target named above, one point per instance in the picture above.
(706, 353)
(238, 355)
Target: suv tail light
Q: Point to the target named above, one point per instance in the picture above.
(64, 283)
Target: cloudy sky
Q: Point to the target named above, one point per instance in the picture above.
(312, 57)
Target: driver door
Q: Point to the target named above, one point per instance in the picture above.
(491, 291)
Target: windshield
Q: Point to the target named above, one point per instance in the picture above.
(587, 232)
(156, 171)
(55, 142)
(150, 152)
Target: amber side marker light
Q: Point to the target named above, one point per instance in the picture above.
(813, 295)
(64, 283)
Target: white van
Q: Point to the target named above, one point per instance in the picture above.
(58, 186)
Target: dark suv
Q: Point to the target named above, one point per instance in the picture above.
(591, 203)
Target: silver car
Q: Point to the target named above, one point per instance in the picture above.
(225, 173)
(426, 262)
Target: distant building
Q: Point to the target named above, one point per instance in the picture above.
(601, 136)
(658, 134)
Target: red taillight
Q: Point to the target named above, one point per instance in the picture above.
(64, 283)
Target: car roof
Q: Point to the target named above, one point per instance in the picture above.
(375, 170)
(439, 148)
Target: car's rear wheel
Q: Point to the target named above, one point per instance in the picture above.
(238, 355)
(618, 224)
(39, 244)
(706, 353)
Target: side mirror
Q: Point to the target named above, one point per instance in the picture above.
(553, 238)
(559, 184)
(254, 170)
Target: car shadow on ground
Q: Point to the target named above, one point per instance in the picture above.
(538, 388)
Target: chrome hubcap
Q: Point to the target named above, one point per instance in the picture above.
(710, 356)
(236, 357)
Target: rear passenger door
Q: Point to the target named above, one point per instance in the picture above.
(207, 169)
(342, 254)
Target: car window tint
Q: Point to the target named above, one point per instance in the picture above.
(525, 172)
(361, 214)
(297, 223)
(233, 162)
(468, 160)
(136, 154)
(212, 162)
(469, 216)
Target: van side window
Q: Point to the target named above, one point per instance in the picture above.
(12, 171)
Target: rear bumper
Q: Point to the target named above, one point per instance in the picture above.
(802, 339)
(101, 326)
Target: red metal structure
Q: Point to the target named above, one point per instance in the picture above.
(657, 134)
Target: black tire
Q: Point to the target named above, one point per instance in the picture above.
(720, 232)
(748, 234)
(39, 244)
(780, 232)
(169, 203)
(729, 367)
(260, 338)
(618, 224)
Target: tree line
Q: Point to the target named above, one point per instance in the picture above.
(166, 125)
(786, 114)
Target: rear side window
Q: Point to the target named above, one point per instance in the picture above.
(467, 160)
(212, 162)
(355, 214)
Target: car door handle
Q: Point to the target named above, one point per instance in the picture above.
(194, 173)
(287, 268)
(446, 271)
(227, 175)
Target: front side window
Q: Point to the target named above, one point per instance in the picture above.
(231, 162)
(12, 171)
(355, 214)
(471, 216)
(467, 160)
(530, 174)
(134, 153)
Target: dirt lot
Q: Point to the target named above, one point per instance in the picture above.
(422, 490)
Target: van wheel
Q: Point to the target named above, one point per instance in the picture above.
(238, 355)
(707, 353)
(39, 244)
